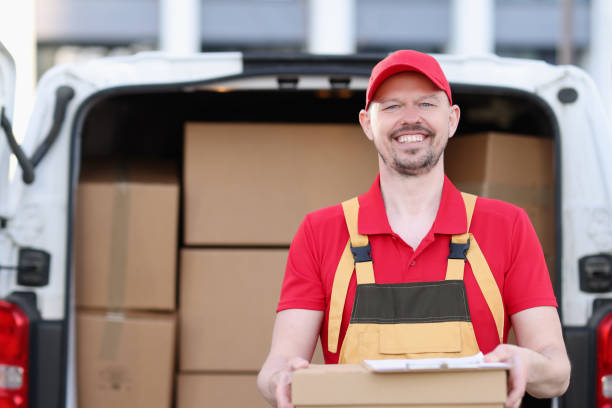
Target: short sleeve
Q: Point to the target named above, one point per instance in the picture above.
(527, 281)
(302, 286)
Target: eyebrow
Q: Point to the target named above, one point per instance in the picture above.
(432, 95)
(388, 100)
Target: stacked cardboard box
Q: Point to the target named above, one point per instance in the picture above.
(515, 168)
(125, 360)
(227, 297)
(251, 184)
(125, 246)
(246, 189)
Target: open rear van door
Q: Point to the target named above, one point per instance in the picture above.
(31, 303)
(16, 313)
(7, 97)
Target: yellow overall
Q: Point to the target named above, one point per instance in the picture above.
(409, 320)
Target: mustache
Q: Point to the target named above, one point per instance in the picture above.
(412, 128)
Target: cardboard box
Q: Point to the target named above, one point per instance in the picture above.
(218, 390)
(126, 236)
(227, 307)
(252, 184)
(514, 168)
(353, 385)
(125, 360)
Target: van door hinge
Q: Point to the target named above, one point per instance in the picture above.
(63, 95)
(32, 267)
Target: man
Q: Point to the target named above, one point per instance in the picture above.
(419, 248)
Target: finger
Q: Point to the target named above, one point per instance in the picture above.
(297, 362)
(283, 392)
(500, 353)
(510, 398)
(283, 389)
(517, 382)
(516, 404)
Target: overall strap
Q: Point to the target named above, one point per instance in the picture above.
(356, 255)
(460, 243)
(464, 246)
(488, 286)
(360, 245)
(344, 271)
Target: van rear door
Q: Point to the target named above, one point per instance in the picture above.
(7, 97)
(16, 313)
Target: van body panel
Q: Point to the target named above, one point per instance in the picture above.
(586, 189)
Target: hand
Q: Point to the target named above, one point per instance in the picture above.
(283, 382)
(517, 380)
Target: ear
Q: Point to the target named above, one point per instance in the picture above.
(453, 120)
(365, 122)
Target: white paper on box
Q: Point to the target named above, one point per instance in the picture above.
(395, 365)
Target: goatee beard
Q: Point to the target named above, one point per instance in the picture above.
(423, 166)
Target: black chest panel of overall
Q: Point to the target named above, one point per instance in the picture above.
(418, 302)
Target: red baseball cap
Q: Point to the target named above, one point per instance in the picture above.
(407, 60)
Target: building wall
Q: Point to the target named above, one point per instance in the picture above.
(281, 24)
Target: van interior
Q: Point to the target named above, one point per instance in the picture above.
(138, 123)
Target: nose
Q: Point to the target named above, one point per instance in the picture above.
(410, 115)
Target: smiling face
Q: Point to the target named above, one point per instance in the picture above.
(410, 121)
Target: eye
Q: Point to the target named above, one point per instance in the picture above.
(391, 107)
(427, 104)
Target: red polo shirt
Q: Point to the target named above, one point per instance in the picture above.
(503, 231)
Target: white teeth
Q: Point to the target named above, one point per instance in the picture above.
(410, 138)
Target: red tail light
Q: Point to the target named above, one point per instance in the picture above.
(14, 349)
(604, 363)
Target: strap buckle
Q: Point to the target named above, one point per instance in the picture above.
(362, 253)
(458, 251)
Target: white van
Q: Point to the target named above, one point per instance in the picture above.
(91, 110)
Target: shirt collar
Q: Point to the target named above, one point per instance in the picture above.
(450, 219)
